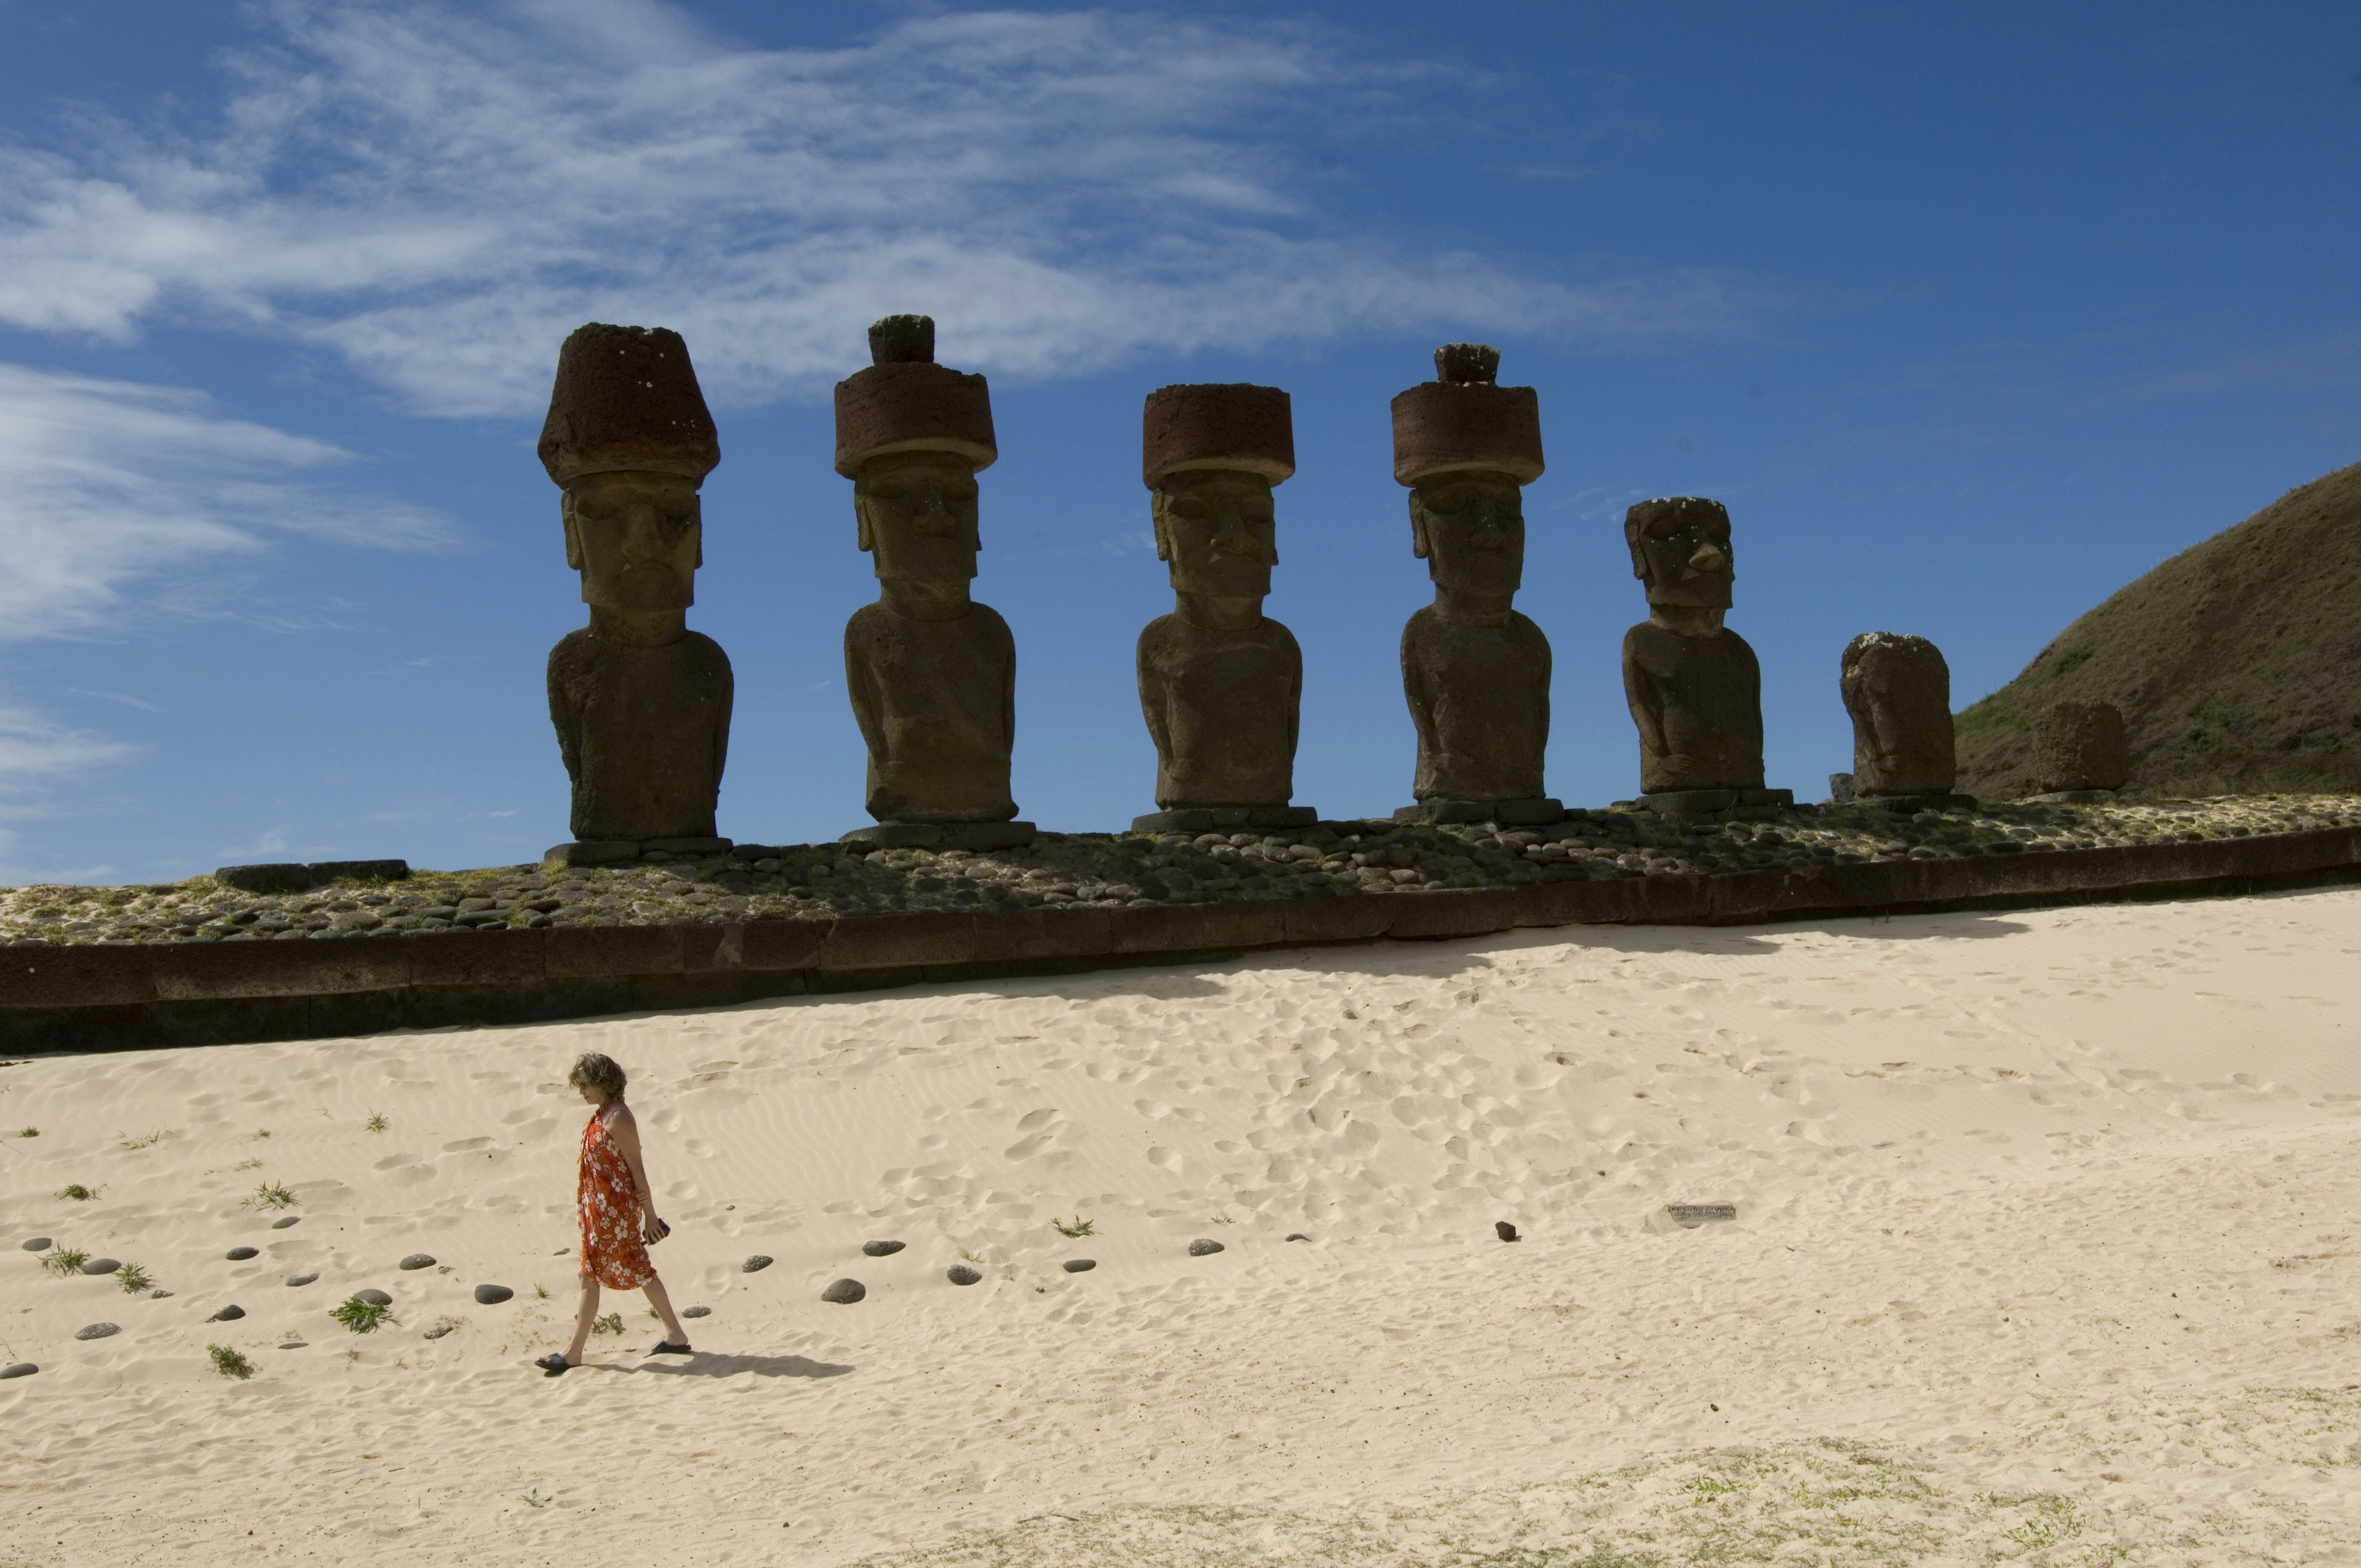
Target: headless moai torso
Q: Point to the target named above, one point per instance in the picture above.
(1898, 691)
(2079, 746)
(936, 703)
(1221, 705)
(1480, 699)
(645, 733)
(1699, 705)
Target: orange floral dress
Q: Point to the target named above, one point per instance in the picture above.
(612, 1253)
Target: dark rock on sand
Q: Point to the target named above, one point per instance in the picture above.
(696, 1311)
(1203, 1248)
(227, 1315)
(438, 1331)
(21, 1369)
(844, 1292)
(101, 1265)
(1506, 1232)
(374, 1297)
(302, 1278)
(1080, 1265)
(96, 1330)
(419, 1260)
(881, 1249)
(1297, 1236)
(38, 1244)
(240, 1254)
(282, 1223)
(961, 1274)
(492, 1295)
(754, 1265)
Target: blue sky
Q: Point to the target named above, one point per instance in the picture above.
(1970, 315)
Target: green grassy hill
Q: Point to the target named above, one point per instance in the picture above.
(2237, 663)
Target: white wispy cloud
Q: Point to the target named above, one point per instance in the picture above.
(34, 748)
(439, 193)
(103, 482)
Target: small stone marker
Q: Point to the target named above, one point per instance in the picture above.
(101, 1265)
(961, 1274)
(38, 1244)
(240, 1254)
(302, 1278)
(289, 1220)
(1080, 1265)
(844, 1292)
(227, 1315)
(419, 1260)
(1203, 1248)
(21, 1369)
(492, 1295)
(696, 1311)
(754, 1265)
(1505, 1231)
(1698, 1213)
(374, 1297)
(96, 1330)
(881, 1249)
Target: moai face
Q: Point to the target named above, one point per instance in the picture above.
(918, 516)
(1469, 527)
(1219, 530)
(637, 539)
(1680, 549)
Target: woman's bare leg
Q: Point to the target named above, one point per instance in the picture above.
(662, 1302)
(584, 1316)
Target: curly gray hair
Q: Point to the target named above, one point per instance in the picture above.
(603, 1073)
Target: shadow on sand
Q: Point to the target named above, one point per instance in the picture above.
(707, 1364)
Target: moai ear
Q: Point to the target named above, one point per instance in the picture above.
(1420, 545)
(573, 533)
(864, 534)
(1156, 516)
(1638, 561)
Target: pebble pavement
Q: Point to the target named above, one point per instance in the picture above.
(821, 881)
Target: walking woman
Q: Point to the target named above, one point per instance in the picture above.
(618, 1212)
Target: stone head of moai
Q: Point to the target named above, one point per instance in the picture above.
(1210, 453)
(2081, 746)
(912, 435)
(1898, 690)
(630, 440)
(1680, 550)
(1466, 446)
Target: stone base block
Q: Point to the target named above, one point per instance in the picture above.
(978, 836)
(292, 877)
(2072, 797)
(1537, 812)
(1718, 805)
(622, 852)
(1224, 818)
(1918, 802)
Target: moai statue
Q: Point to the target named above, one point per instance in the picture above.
(1475, 672)
(1694, 686)
(931, 673)
(641, 703)
(1898, 690)
(2081, 752)
(1219, 683)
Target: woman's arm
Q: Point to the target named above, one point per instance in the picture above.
(625, 1131)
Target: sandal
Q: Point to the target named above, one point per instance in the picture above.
(552, 1364)
(665, 1347)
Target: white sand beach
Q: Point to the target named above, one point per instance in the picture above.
(2044, 1253)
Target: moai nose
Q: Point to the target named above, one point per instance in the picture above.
(1708, 559)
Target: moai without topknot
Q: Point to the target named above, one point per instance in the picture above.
(1475, 671)
(931, 673)
(1898, 690)
(1219, 683)
(2082, 752)
(1694, 686)
(641, 703)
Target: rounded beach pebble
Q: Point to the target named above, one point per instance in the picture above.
(101, 1265)
(38, 1244)
(419, 1260)
(1203, 1248)
(227, 1315)
(240, 1253)
(374, 1297)
(961, 1274)
(881, 1249)
(844, 1292)
(21, 1369)
(492, 1295)
(302, 1278)
(696, 1311)
(289, 1220)
(1081, 1264)
(96, 1330)
(754, 1265)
